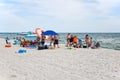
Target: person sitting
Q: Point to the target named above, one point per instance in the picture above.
(71, 40)
(79, 41)
(15, 41)
(23, 43)
(33, 42)
(90, 42)
(75, 40)
(95, 45)
(79, 45)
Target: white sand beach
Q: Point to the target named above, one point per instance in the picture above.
(59, 64)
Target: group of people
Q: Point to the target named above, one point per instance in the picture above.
(90, 43)
(40, 42)
(54, 41)
(23, 42)
(74, 41)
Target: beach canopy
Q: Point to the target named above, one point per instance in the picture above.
(50, 32)
(31, 36)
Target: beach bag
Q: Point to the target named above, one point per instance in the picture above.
(46, 47)
(32, 47)
(7, 45)
(21, 51)
(80, 41)
(40, 48)
(84, 45)
(97, 45)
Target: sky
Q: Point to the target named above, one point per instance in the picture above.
(60, 15)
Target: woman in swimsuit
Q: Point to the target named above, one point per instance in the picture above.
(68, 39)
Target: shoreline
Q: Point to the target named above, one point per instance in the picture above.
(108, 41)
(11, 40)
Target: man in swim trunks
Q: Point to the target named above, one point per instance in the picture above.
(56, 42)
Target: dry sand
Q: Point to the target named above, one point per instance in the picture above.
(59, 64)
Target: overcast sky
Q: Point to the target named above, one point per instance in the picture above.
(60, 15)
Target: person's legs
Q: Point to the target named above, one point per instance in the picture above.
(6, 42)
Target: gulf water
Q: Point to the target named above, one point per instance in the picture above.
(106, 40)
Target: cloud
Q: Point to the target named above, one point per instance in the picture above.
(55, 8)
(75, 15)
(2, 4)
(106, 5)
(89, 1)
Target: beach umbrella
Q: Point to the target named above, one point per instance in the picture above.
(50, 32)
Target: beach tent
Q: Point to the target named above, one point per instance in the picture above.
(50, 32)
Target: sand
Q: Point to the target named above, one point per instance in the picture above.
(59, 64)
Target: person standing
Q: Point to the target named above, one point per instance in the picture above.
(43, 40)
(51, 40)
(38, 40)
(6, 39)
(87, 40)
(68, 39)
(91, 42)
(56, 41)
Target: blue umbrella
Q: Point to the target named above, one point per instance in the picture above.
(50, 32)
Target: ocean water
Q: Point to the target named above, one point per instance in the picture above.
(106, 40)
